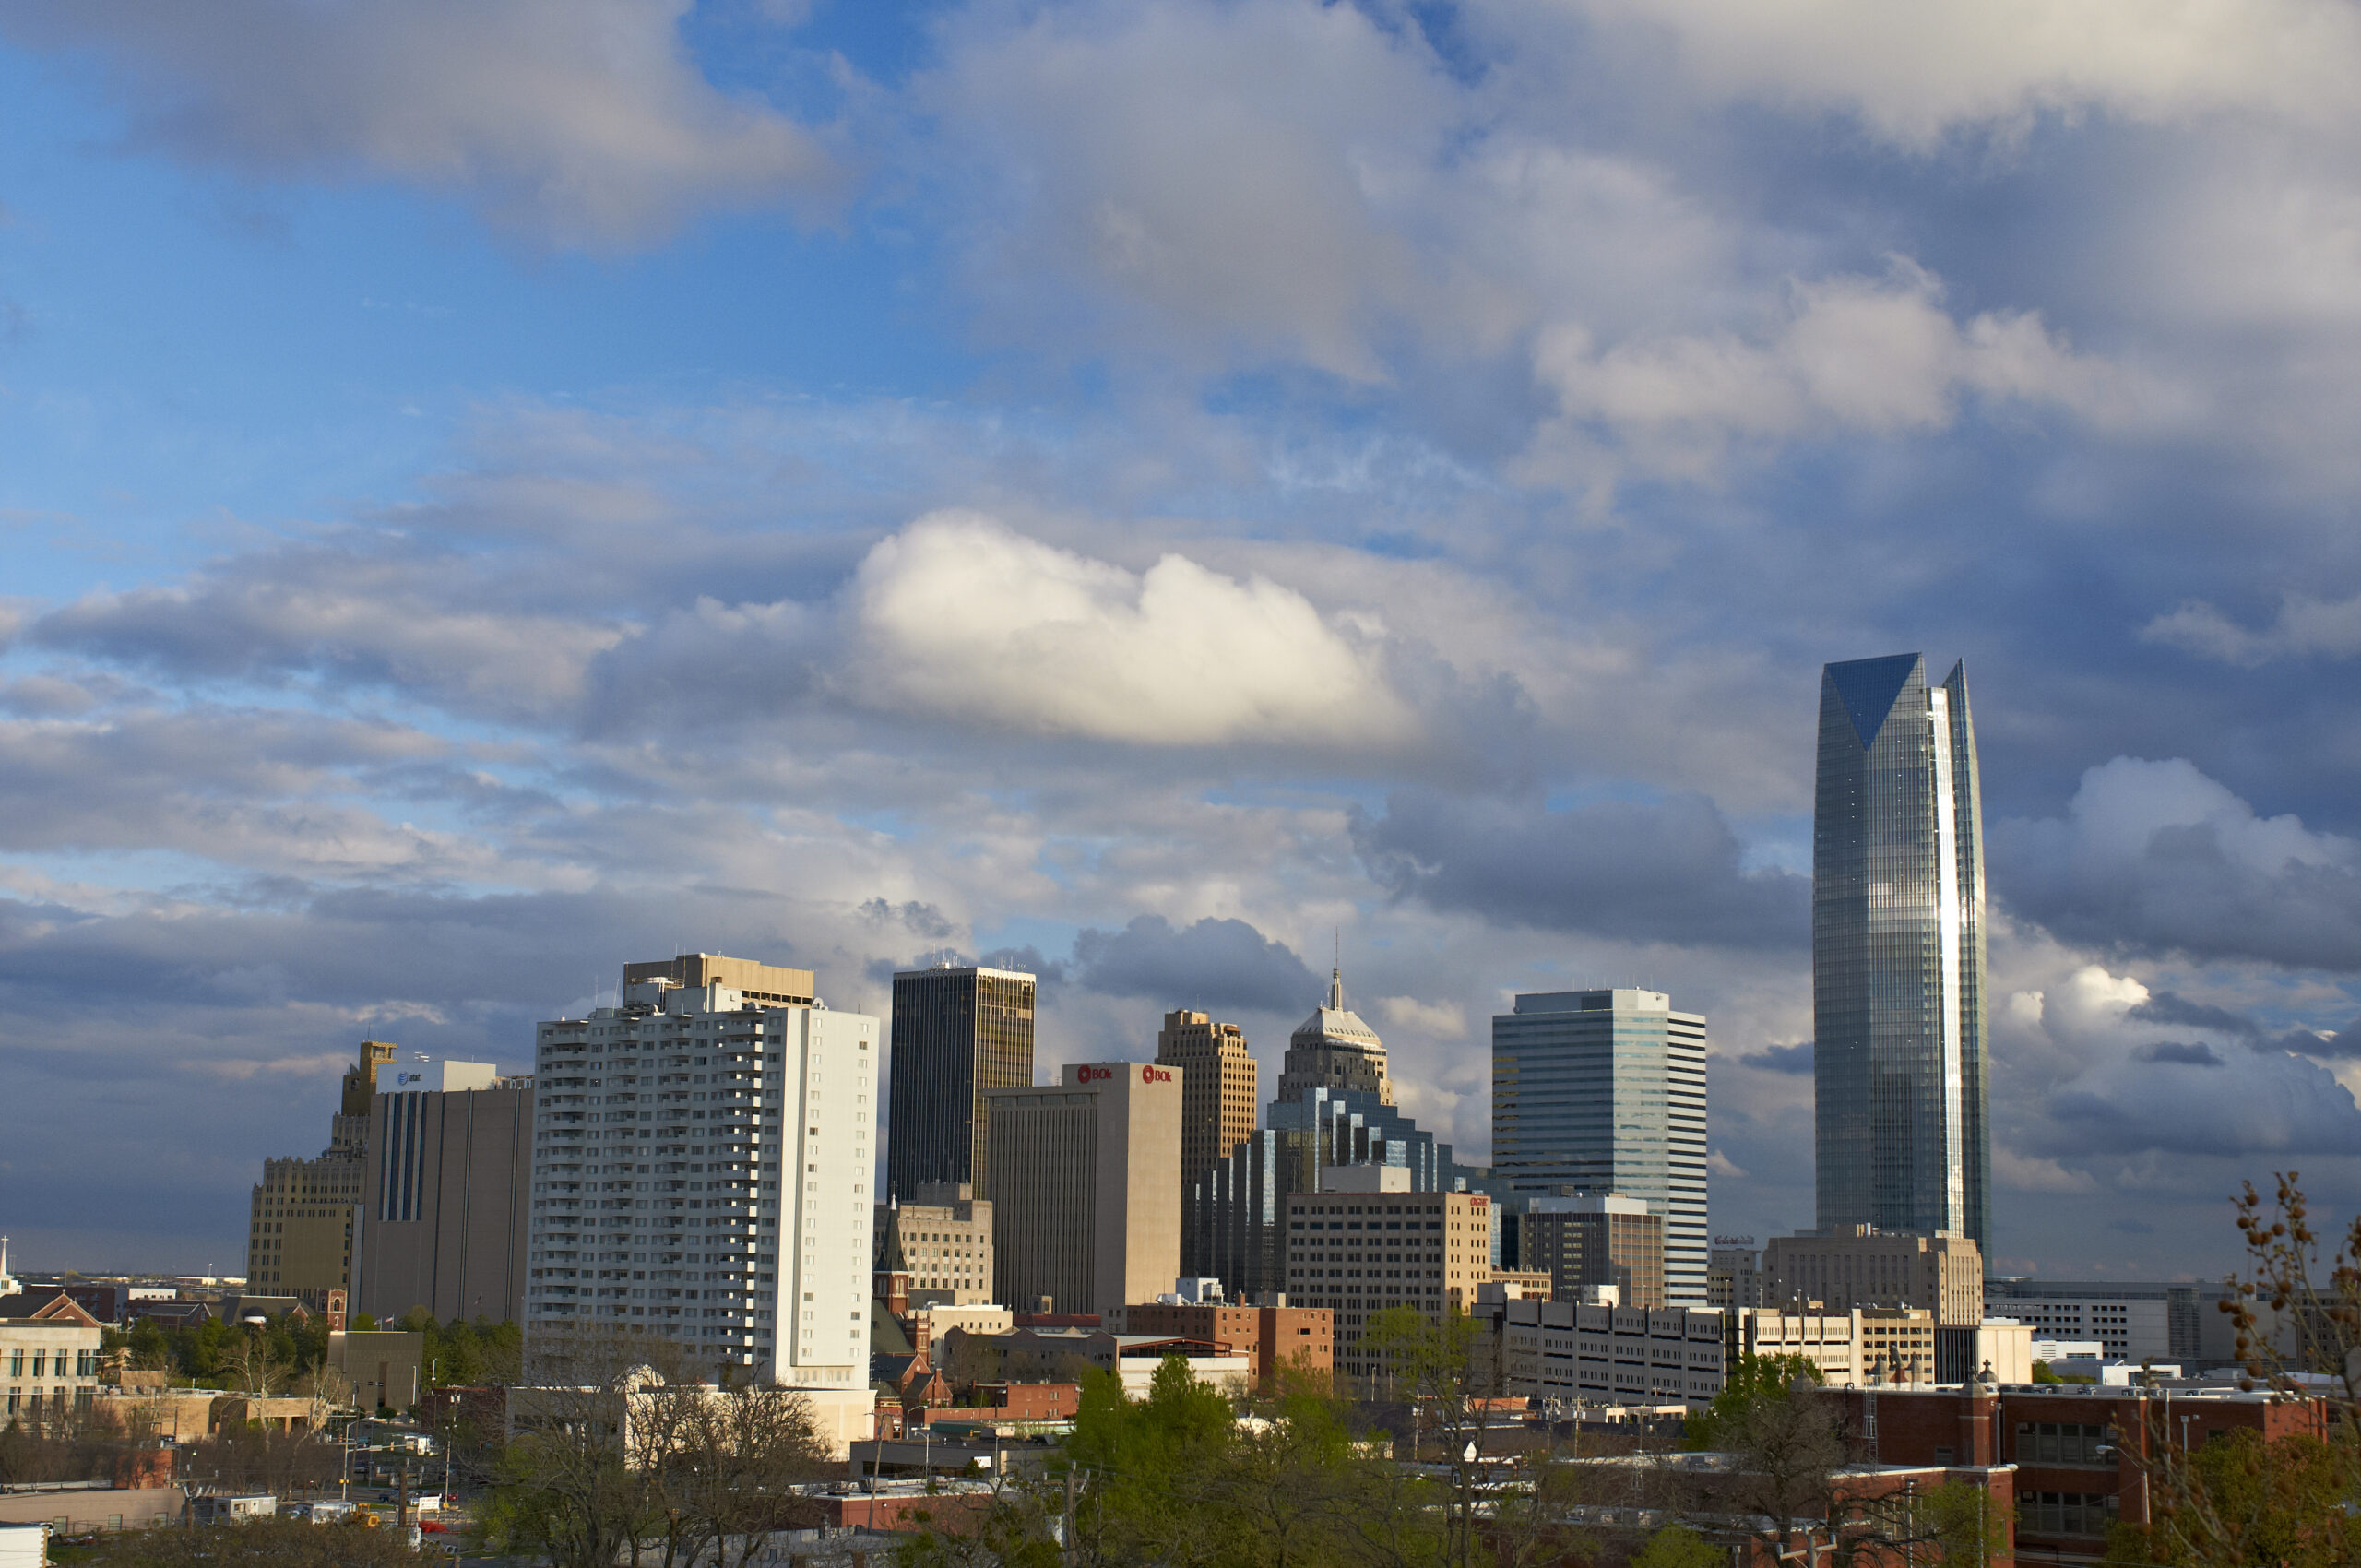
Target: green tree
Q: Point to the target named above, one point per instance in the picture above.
(1678, 1546)
(2238, 1502)
(1445, 1369)
(1752, 1382)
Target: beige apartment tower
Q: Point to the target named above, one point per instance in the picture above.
(1221, 1086)
(1086, 1187)
(446, 1193)
(1860, 1265)
(303, 1220)
(942, 1240)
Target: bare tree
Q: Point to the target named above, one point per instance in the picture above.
(567, 1485)
(256, 1365)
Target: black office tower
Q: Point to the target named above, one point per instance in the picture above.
(957, 1033)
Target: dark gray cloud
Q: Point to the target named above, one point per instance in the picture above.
(2338, 1045)
(1214, 963)
(1664, 871)
(1780, 1058)
(2167, 1007)
(2180, 1052)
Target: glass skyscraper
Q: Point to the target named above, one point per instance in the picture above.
(1604, 1091)
(1897, 954)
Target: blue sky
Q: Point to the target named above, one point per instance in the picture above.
(490, 490)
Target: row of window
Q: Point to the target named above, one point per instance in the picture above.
(86, 1362)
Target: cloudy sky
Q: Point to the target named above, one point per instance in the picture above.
(491, 489)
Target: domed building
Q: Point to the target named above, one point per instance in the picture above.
(1333, 1050)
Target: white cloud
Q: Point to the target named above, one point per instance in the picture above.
(1913, 73)
(1441, 1020)
(960, 618)
(1878, 355)
(577, 121)
(2304, 627)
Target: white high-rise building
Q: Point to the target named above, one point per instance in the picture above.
(1604, 1091)
(703, 1171)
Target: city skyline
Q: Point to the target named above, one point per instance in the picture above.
(1134, 494)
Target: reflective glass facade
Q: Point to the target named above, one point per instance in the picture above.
(1898, 953)
(1605, 1091)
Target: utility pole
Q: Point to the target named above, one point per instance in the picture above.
(1066, 1535)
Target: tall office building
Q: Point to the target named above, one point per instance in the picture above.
(1603, 1091)
(702, 1170)
(1087, 1208)
(1897, 954)
(1333, 1050)
(304, 1219)
(446, 1193)
(1220, 1084)
(958, 1034)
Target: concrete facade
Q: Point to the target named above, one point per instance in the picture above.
(2132, 1319)
(1358, 1254)
(1860, 1265)
(1733, 1272)
(385, 1366)
(942, 1240)
(1604, 1355)
(701, 1169)
(446, 1193)
(1863, 1346)
(1087, 1207)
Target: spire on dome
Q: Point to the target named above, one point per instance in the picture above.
(1336, 991)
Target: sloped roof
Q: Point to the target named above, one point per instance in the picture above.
(1333, 1020)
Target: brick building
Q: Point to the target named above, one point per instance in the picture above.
(1303, 1337)
(2078, 1449)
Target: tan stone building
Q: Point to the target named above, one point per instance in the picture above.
(1221, 1083)
(1086, 1187)
(1851, 1348)
(304, 1218)
(765, 985)
(1355, 1253)
(1859, 1265)
(942, 1240)
(49, 1357)
(446, 1192)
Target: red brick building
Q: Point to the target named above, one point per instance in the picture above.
(2078, 1449)
(1272, 1335)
